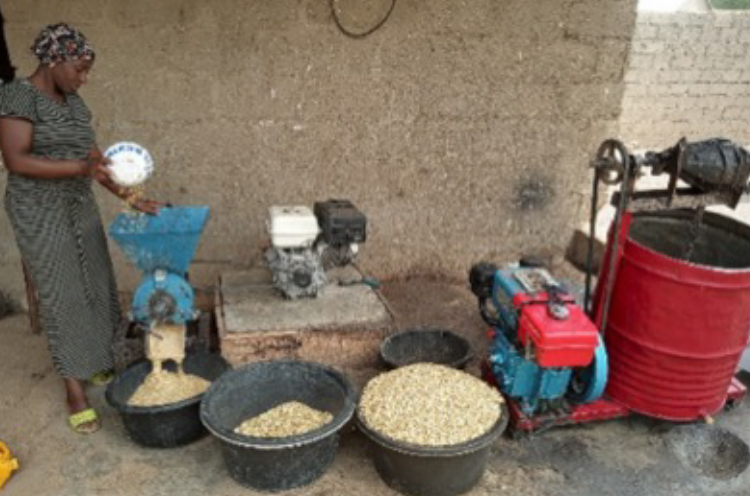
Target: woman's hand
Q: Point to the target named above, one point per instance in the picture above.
(101, 173)
(146, 206)
(96, 156)
(96, 167)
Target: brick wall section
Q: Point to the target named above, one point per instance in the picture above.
(461, 129)
(689, 75)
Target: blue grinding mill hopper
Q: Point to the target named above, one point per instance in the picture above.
(166, 241)
(162, 246)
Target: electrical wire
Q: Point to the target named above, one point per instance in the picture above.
(351, 34)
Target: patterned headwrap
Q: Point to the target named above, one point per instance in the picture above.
(60, 43)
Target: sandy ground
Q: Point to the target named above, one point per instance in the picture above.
(630, 457)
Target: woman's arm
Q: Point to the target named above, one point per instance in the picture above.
(15, 144)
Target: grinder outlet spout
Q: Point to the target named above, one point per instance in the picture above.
(165, 342)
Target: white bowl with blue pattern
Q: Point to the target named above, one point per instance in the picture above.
(131, 164)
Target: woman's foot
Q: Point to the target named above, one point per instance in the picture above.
(83, 419)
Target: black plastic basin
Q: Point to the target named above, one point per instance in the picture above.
(425, 344)
(164, 426)
(432, 471)
(277, 464)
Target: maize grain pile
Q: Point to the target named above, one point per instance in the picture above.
(163, 388)
(288, 419)
(430, 405)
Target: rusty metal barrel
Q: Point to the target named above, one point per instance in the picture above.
(680, 313)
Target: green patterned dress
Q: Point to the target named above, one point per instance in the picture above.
(59, 233)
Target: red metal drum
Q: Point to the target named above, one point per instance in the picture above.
(679, 320)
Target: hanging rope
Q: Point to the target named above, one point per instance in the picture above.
(351, 34)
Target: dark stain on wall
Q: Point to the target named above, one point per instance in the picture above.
(533, 193)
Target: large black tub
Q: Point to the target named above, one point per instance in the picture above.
(277, 464)
(165, 426)
(432, 471)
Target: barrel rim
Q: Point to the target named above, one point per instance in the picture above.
(715, 219)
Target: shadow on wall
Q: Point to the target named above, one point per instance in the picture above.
(7, 306)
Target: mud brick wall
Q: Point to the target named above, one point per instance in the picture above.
(689, 75)
(461, 128)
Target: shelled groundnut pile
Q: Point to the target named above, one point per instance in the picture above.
(163, 388)
(288, 419)
(430, 405)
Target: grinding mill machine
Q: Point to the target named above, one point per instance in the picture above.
(673, 294)
(162, 247)
(664, 330)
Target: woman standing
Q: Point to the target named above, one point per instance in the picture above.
(49, 149)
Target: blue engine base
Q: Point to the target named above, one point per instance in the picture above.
(523, 379)
(531, 384)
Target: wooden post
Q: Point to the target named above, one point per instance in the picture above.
(32, 299)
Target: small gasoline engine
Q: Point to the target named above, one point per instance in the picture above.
(307, 243)
(545, 354)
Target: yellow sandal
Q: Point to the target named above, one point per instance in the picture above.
(85, 421)
(102, 378)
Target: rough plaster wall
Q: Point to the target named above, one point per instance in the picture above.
(689, 76)
(461, 129)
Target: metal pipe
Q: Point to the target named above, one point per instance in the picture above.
(592, 234)
(625, 188)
